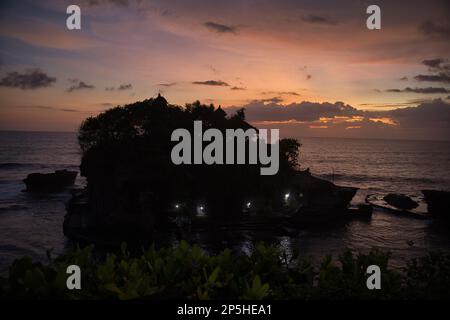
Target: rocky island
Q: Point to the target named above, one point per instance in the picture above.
(134, 189)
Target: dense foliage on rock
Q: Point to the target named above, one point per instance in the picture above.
(126, 160)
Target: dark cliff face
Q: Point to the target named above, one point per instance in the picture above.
(126, 160)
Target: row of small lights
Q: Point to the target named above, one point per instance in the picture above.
(248, 204)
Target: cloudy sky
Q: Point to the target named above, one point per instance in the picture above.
(310, 68)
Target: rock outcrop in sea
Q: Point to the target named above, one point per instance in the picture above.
(134, 188)
(50, 182)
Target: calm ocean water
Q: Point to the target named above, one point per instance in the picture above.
(31, 224)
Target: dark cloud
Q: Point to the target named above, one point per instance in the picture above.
(441, 77)
(167, 84)
(433, 63)
(259, 110)
(430, 114)
(119, 3)
(32, 79)
(315, 19)
(220, 28)
(439, 67)
(404, 78)
(218, 83)
(127, 86)
(308, 77)
(68, 110)
(282, 93)
(79, 85)
(273, 100)
(238, 88)
(428, 120)
(428, 90)
(433, 114)
(122, 87)
(433, 29)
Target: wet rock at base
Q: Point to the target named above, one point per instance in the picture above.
(438, 202)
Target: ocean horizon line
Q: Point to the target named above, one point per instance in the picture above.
(299, 137)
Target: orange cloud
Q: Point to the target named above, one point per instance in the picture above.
(341, 119)
(355, 119)
(269, 122)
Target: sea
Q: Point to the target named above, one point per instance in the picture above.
(31, 224)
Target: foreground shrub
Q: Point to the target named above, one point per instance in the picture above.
(189, 272)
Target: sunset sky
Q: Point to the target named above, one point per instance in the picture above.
(310, 68)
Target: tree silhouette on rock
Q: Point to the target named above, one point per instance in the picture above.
(126, 158)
